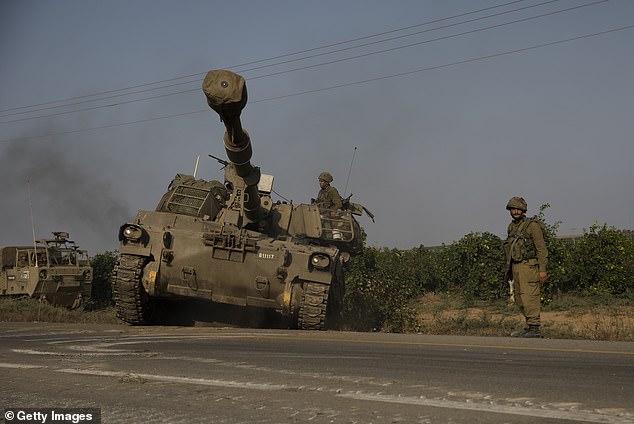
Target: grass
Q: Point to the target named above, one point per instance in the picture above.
(566, 317)
(30, 310)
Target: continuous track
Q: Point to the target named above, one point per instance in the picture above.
(312, 309)
(131, 301)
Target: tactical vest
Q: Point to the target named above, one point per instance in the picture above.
(519, 246)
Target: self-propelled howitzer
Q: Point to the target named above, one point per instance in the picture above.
(230, 243)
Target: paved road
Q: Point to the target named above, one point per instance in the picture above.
(232, 375)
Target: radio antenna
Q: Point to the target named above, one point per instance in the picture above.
(28, 184)
(196, 167)
(345, 190)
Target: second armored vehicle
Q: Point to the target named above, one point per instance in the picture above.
(53, 270)
(230, 243)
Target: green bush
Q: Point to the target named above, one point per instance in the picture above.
(559, 257)
(603, 262)
(380, 285)
(102, 266)
(474, 267)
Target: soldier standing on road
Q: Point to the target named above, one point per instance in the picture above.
(328, 196)
(526, 258)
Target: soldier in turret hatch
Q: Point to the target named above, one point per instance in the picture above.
(328, 196)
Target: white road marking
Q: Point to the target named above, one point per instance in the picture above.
(583, 416)
(19, 366)
(176, 379)
(616, 416)
(48, 353)
(36, 352)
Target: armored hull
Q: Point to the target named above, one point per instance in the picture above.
(53, 270)
(188, 257)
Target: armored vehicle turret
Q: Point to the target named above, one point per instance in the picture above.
(53, 270)
(231, 243)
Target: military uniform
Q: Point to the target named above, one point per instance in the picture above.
(329, 198)
(527, 256)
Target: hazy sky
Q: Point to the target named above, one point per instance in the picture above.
(454, 107)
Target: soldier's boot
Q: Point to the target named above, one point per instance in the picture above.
(532, 332)
(519, 333)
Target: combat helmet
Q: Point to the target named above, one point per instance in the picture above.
(326, 176)
(517, 203)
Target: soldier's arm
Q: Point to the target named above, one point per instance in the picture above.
(336, 199)
(319, 200)
(535, 231)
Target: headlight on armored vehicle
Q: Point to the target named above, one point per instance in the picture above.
(320, 261)
(131, 232)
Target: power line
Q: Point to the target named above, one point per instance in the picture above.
(197, 75)
(429, 41)
(420, 32)
(114, 96)
(446, 65)
(121, 124)
(401, 74)
(100, 106)
(335, 60)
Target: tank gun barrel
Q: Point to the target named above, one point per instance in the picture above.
(226, 94)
